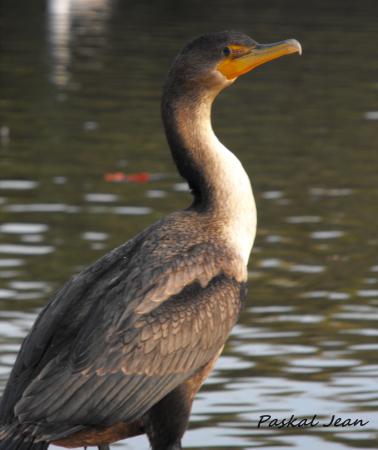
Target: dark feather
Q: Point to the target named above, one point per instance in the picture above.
(122, 334)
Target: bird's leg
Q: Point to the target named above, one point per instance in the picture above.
(104, 447)
(166, 422)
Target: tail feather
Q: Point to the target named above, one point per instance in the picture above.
(19, 442)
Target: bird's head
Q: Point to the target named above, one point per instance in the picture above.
(213, 61)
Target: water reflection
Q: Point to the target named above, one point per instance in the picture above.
(18, 184)
(70, 24)
(41, 207)
(306, 341)
(16, 249)
(23, 228)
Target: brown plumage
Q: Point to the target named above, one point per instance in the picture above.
(125, 345)
(120, 339)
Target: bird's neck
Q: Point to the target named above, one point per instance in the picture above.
(220, 185)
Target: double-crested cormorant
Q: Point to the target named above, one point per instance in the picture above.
(125, 345)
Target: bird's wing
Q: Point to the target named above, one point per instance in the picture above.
(151, 331)
(56, 325)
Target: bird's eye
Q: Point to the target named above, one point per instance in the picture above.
(226, 51)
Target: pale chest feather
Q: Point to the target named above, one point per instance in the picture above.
(227, 184)
(235, 201)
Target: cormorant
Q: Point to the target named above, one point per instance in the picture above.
(125, 345)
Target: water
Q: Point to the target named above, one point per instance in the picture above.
(79, 99)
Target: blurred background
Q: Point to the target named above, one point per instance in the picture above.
(84, 166)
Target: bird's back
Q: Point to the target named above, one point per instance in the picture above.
(131, 327)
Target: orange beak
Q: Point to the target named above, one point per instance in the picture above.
(234, 67)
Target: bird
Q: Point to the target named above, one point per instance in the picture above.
(123, 347)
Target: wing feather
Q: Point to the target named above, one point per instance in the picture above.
(133, 337)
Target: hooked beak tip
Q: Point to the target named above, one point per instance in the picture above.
(296, 44)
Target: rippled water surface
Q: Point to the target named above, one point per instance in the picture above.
(79, 103)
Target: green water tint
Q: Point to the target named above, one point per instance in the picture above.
(80, 99)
